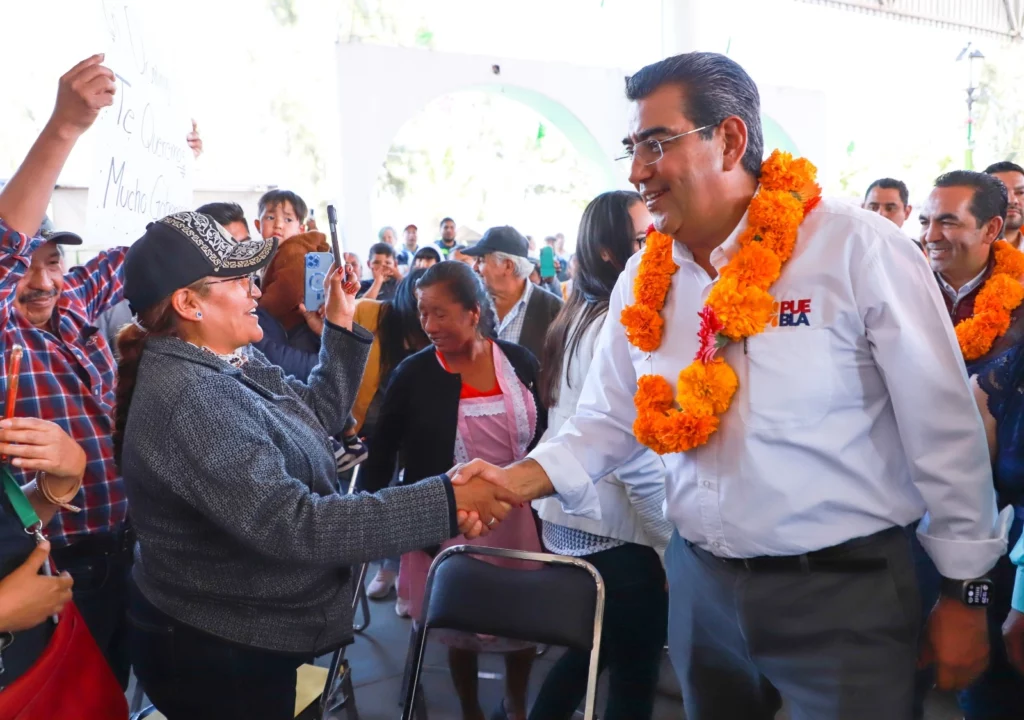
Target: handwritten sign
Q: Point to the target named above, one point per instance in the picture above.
(143, 165)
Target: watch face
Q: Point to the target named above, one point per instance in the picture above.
(977, 593)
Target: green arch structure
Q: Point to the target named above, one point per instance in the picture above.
(558, 115)
(775, 137)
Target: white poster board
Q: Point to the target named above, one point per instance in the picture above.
(143, 165)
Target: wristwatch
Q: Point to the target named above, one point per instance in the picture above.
(973, 593)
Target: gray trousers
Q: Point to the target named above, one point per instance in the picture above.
(836, 645)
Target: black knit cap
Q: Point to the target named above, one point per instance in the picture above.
(182, 248)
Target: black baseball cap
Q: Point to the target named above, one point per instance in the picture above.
(50, 234)
(182, 248)
(504, 239)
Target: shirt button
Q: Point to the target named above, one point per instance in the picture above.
(707, 483)
(96, 391)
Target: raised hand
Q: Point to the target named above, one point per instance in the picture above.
(83, 91)
(28, 598)
(194, 141)
(340, 304)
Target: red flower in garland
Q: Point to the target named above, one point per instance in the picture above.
(710, 326)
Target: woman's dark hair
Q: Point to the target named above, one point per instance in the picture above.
(606, 228)
(466, 289)
(158, 321)
(399, 331)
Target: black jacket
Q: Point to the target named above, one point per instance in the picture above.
(540, 313)
(420, 414)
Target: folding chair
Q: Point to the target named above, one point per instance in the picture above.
(561, 603)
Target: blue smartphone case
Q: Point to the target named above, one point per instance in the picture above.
(317, 265)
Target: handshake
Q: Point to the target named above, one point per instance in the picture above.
(483, 497)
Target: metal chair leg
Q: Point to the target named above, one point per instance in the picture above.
(339, 692)
(359, 599)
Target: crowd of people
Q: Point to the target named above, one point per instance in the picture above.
(827, 525)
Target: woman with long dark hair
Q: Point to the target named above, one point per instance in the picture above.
(626, 543)
(467, 395)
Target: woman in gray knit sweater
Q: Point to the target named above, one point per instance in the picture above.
(242, 568)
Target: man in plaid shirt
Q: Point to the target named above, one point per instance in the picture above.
(68, 373)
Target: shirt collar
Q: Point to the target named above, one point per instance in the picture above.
(721, 255)
(526, 294)
(968, 288)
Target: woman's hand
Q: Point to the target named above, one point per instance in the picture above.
(28, 598)
(340, 288)
(41, 446)
(481, 506)
(314, 318)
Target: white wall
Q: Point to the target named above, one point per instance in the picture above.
(380, 88)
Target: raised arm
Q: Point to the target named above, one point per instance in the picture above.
(82, 92)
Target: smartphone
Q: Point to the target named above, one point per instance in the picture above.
(317, 265)
(332, 220)
(547, 263)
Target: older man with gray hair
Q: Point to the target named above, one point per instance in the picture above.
(524, 312)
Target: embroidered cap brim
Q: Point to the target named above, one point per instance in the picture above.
(228, 257)
(182, 248)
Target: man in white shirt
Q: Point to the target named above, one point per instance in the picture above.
(790, 572)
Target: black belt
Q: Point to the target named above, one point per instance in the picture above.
(831, 559)
(98, 545)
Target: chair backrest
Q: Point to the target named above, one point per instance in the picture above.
(561, 603)
(554, 604)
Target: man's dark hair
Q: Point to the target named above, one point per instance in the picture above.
(224, 213)
(446, 220)
(381, 248)
(990, 196)
(714, 88)
(890, 184)
(1004, 167)
(427, 252)
(273, 198)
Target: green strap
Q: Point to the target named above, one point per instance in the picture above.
(20, 503)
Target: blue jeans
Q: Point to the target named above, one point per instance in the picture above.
(101, 596)
(192, 675)
(998, 694)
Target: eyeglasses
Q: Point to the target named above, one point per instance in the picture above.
(651, 151)
(249, 280)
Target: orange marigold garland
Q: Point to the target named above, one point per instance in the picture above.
(670, 421)
(1001, 294)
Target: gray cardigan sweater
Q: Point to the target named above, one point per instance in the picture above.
(229, 476)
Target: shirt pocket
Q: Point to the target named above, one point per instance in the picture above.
(789, 379)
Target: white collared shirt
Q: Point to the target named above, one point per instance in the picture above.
(853, 412)
(510, 327)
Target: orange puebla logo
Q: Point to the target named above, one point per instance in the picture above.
(790, 313)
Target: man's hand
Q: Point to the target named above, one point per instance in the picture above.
(40, 445)
(525, 478)
(340, 288)
(83, 91)
(481, 506)
(28, 598)
(956, 642)
(1013, 637)
(194, 141)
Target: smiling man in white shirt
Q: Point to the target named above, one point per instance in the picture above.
(790, 572)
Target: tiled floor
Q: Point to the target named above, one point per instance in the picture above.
(378, 658)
